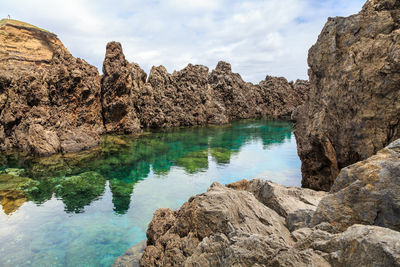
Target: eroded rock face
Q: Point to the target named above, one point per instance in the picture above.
(120, 86)
(189, 97)
(367, 192)
(353, 108)
(49, 100)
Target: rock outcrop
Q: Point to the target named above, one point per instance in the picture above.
(367, 192)
(49, 100)
(189, 97)
(120, 87)
(260, 223)
(353, 109)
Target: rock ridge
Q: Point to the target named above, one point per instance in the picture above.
(190, 97)
(52, 102)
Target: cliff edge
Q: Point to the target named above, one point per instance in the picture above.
(353, 108)
(49, 100)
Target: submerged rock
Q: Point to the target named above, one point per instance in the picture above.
(49, 100)
(353, 109)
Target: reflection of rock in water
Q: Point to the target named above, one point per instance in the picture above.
(13, 189)
(194, 161)
(124, 160)
(79, 191)
(121, 195)
(11, 200)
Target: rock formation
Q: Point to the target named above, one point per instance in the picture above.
(189, 97)
(365, 193)
(260, 223)
(353, 109)
(120, 87)
(49, 100)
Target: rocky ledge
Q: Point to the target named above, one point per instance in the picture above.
(260, 223)
(353, 109)
(51, 102)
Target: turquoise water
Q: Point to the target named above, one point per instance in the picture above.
(87, 208)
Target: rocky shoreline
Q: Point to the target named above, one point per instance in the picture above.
(260, 223)
(347, 134)
(346, 125)
(51, 102)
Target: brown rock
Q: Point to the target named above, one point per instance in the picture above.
(222, 227)
(365, 193)
(188, 97)
(131, 257)
(45, 93)
(353, 108)
(362, 245)
(119, 90)
(296, 205)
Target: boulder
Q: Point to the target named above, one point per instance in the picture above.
(362, 245)
(353, 107)
(367, 192)
(295, 204)
(220, 227)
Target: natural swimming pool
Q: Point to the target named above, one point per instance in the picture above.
(87, 208)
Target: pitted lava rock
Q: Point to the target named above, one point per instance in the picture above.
(191, 96)
(49, 100)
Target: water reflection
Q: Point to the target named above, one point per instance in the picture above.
(80, 178)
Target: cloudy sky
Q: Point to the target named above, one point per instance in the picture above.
(257, 37)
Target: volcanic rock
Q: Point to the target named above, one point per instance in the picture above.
(220, 227)
(353, 108)
(234, 227)
(120, 87)
(49, 100)
(189, 97)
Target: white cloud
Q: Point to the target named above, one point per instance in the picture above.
(258, 37)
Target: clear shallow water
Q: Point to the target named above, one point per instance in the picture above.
(85, 209)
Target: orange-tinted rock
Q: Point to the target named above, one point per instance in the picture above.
(49, 100)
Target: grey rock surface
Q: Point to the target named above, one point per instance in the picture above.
(353, 107)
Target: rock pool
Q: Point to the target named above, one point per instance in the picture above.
(87, 208)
